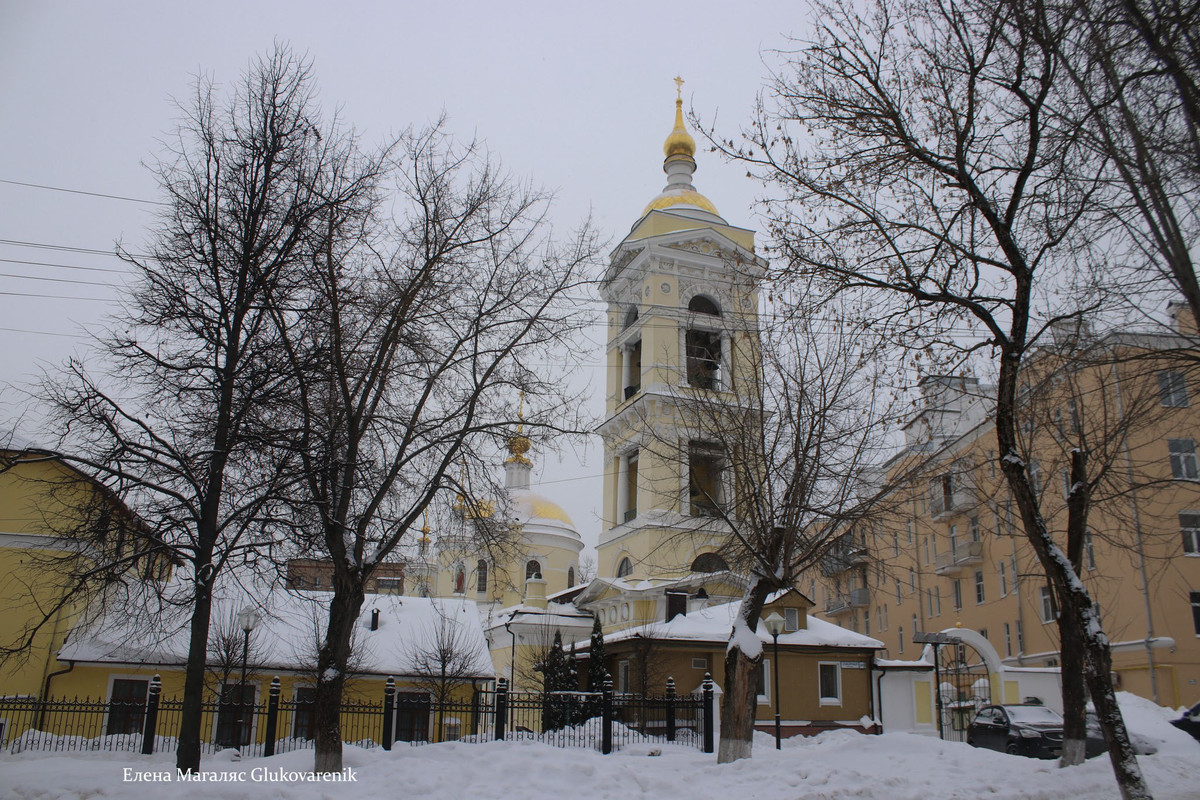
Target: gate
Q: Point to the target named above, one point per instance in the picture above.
(963, 687)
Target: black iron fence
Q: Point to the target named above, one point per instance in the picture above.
(606, 721)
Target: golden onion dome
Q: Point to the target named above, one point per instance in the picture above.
(679, 142)
(518, 446)
(692, 198)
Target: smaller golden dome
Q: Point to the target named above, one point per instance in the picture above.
(518, 446)
(679, 142)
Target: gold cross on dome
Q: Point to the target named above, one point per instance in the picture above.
(678, 88)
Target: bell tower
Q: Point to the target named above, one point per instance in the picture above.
(682, 317)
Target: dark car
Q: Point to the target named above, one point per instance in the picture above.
(1026, 730)
(1096, 745)
(1189, 722)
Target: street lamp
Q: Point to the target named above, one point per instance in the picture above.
(247, 618)
(774, 624)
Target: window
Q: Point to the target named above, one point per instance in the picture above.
(973, 529)
(1172, 389)
(979, 592)
(481, 576)
(705, 466)
(909, 527)
(700, 663)
(937, 599)
(570, 577)
(625, 568)
(926, 549)
(883, 621)
(1007, 640)
(126, 706)
(235, 718)
(533, 570)
(629, 509)
(1048, 608)
(1089, 552)
(676, 605)
(1072, 415)
(1002, 569)
(413, 712)
(957, 586)
(623, 676)
(915, 626)
(898, 597)
(953, 542)
(704, 305)
(764, 682)
(305, 713)
(632, 367)
(1016, 576)
(389, 585)
(709, 562)
(1189, 527)
(1183, 459)
(867, 621)
(1195, 598)
(900, 638)
(703, 350)
(791, 619)
(895, 543)
(912, 580)
(829, 680)
(941, 494)
(1020, 637)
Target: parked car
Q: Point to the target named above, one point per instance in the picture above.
(1026, 730)
(1189, 722)
(1096, 745)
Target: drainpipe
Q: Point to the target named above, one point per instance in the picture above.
(512, 663)
(1137, 530)
(46, 692)
(877, 699)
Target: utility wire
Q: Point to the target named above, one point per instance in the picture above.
(80, 191)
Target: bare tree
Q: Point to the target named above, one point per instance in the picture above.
(443, 659)
(774, 478)
(404, 361)
(177, 425)
(917, 158)
(1134, 68)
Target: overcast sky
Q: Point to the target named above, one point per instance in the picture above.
(577, 97)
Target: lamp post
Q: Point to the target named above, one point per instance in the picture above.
(247, 618)
(774, 624)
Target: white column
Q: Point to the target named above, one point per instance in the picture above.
(622, 488)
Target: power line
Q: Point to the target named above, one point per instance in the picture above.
(45, 333)
(53, 280)
(81, 191)
(62, 266)
(56, 296)
(63, 247)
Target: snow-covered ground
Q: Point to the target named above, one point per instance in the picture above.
(833, 765)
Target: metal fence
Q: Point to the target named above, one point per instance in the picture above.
(605, 721)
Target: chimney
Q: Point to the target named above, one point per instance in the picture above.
(535, 591)
(1182, 319)
(375, 619)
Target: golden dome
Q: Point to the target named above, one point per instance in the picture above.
(692, 198)
(518, 446)
(679, 142)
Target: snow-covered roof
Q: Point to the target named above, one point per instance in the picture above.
(288, 629)
(714, 624)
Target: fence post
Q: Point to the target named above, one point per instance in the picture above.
(151, 715)
(272, 717)
(389, 710)
(606, 715)
(670, 709)
(708, 712)
(501, 708)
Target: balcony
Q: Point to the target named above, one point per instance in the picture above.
(965, 555)
(840, 559)
(855, 598)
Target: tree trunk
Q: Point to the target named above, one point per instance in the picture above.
(332, 660)
(1074, 692)
(742, 663)
(1072, 594)
(1070, 635)
(187, 751)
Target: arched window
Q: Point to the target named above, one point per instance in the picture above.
(460, 579)
(631, 316)
(625, 568)
(704, 305)
(709, 562)
(481, 569)
(533, 570)
(570, 577)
